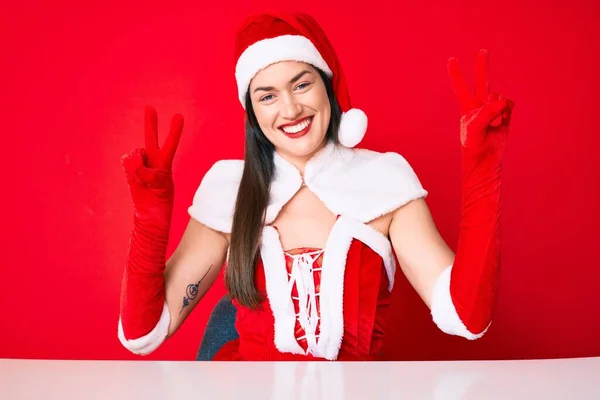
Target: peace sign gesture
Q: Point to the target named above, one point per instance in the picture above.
(151, 165)
(485, 115)
(161, 158)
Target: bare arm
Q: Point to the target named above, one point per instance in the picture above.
(192, 270)
(422, 252)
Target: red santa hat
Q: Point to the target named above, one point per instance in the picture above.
(269, 38)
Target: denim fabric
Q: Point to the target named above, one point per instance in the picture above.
(220, 329)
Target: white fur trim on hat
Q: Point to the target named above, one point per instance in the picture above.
(269, 51)
(352, 127)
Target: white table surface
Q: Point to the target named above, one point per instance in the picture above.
(575, 378)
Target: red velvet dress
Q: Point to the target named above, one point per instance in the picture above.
(366, 297)
(337, 314)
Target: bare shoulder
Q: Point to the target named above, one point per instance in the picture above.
(413, 214)
(415, 211)
(196, 233)
(199, 246)
(413, 228)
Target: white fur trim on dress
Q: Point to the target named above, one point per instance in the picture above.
(361, 183)
(358, 183)
(150, 342)
(331, 306)
(331, 309)
(377, 242)
(214, 200)
(263, 53)
(443, 311)
(280, 300)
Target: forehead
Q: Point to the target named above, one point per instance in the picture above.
(279, 74)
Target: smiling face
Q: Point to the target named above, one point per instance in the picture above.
(292, 108)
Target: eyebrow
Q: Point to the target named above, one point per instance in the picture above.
(293, 80)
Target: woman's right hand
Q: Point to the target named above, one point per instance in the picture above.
(148, 169)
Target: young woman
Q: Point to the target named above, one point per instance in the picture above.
(312, 228)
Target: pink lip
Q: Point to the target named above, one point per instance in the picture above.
(297, 134)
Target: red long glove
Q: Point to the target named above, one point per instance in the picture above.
(484, 129)
(149, 176)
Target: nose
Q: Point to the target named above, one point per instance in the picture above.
(291, 108)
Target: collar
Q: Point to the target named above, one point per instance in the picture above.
(358, 183)
(287, 179)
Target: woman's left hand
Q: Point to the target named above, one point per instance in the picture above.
(485, 115)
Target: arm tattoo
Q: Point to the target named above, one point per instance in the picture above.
(192, 291)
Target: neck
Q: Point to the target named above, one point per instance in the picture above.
(300, 161)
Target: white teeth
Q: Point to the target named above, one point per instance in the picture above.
(296, 128)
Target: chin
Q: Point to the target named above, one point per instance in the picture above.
(305, 146)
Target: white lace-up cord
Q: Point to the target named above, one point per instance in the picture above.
(302, 276)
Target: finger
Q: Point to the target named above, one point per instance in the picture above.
(132, 161)
(459, 84)
(492, 97)
(489, 112)
(155, 178)
(507, 113)
(134, 158)
(496, 122)
(482, 75)
(511, 105)
(151, 129)
(172, 141)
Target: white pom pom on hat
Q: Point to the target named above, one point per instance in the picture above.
(269, 38)
(352, 127)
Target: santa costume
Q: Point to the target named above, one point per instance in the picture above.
(329, 303)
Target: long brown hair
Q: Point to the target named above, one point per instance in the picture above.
(252, 200)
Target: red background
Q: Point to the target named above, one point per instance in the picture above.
(74, 81)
